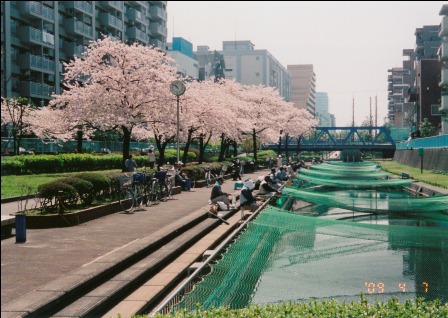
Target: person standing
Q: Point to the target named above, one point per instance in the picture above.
(130, 164)
(151, 157)
(279, 161)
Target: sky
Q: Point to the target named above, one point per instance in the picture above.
(350, 44)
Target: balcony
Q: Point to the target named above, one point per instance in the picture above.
(75, 27)
(444, 104)
(443, 52)
(136, 16)
(156, 43)
(73, 49)
(37, 63)
(134, 33)
(35, 9)
(444, 78)
(157, 29)
(117, 5)
(139, 3)
(443, 28)
(109, 20)
(35, 36)
(38, 90)
(157, 13)
(82, 6)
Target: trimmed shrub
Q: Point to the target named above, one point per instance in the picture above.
(83, 187)
(101, 183)
(115, 184)
(56, 195)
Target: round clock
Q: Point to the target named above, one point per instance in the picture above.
(177, 88)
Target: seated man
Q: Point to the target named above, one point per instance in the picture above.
(274, 181)
(180, 179)
(266, 186)
(217, 193)
(247, 200)
(281, 174)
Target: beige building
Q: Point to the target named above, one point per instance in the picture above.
(303, 86)
(254, 67)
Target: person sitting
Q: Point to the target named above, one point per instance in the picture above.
(274, 181)
(180, 178)
(247, 200)
(281, 175)
(266, 186)
(217, 195)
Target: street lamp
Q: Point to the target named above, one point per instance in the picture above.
(177, 88)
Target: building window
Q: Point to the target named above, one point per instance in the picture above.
(257, 58)
(435, 110)
(257, 74)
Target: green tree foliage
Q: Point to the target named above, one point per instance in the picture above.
(427, 129)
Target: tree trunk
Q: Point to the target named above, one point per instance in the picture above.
(254, 143)
(286, 146)
(235, 148)
(126, 145)
(187, 146)
(79, 140)
(222, 150)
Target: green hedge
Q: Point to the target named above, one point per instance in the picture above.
(326, 308)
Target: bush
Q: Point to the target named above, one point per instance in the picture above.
(101, 183)
(115, 184)
(84, 188)
(55, 192)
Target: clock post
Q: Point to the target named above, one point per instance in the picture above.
(177, 88)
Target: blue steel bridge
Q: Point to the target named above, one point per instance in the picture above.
(367, 138)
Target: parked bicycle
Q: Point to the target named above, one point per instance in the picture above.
(165, 184)
(210, 178)
(133, 191)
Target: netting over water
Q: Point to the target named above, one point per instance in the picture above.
(292, 256)
(371, 201)
(284, 256)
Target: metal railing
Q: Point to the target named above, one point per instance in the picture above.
(186, 287)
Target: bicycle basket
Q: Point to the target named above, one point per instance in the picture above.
(125, 181)
(138, 178)
(161, 175)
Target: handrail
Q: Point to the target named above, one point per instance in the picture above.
(210, 258)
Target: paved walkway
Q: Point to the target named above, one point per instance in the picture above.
(49, 254)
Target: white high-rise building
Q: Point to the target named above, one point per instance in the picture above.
(254, 67)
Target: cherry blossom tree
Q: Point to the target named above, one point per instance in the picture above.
(16, 113)
(208, 113)
(116, 86)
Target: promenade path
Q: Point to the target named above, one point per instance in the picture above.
(49, 254)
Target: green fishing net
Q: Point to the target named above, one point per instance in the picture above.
(289, 257)
(293, 253)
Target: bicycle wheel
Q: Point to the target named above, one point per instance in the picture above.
(126, 200)
(154, 193)
(208, 180)
(138, 195)
(166, 190)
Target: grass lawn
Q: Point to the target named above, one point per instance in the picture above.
(429, 177)
(27, 184)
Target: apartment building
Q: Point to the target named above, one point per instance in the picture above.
(303, 87)
(249, 66)
(37, 36)
(443, 57)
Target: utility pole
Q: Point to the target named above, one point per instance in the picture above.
(370, 118)
(376, 113)
(353, 112)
